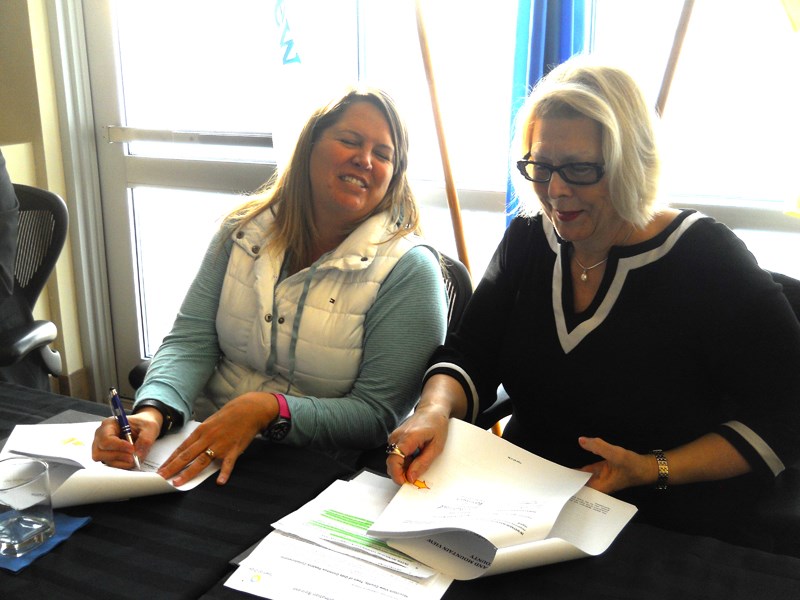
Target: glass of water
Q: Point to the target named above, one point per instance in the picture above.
(26, 513)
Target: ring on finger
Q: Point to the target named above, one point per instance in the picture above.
(393, 449)
(210, 453)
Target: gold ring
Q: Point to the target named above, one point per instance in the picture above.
(393, 449)
(210, 453)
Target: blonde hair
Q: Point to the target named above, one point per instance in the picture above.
(288, 191)
(610, 97)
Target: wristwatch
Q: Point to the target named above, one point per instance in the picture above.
(280, 426)
(663, 469)
(171, 418)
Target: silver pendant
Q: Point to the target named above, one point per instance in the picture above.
(584, 276)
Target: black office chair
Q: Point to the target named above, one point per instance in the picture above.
(25, 356)
(791, 289)
(779, 511)
(458, 285)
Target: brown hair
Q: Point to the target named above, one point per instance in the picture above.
(288, 191)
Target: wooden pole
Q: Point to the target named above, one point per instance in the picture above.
(672, 62)
(452, 196)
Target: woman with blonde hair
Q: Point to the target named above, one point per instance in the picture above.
(638, 343)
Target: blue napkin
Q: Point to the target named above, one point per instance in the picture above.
(65, 526)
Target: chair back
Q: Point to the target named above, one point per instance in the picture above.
(458, 285)
(791, 289)
(43, 221)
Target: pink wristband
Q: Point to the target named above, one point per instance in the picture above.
(283, 406)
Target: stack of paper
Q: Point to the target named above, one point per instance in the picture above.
(487, 506)
(77, 479)
(322, 550)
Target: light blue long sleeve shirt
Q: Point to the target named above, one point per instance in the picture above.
(401, 330)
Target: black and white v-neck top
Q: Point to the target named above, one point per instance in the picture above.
(686, 335)
(571, 327)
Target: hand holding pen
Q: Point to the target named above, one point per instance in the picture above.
(119, 412)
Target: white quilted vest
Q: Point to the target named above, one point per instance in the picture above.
(305, 336)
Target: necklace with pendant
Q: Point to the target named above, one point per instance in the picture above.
(585, 274)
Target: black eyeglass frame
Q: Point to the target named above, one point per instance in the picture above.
(523, 164)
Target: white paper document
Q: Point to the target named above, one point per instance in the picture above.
(487, 506)
(77, 479)
(338, 519)
(286, 568)
(322, 550)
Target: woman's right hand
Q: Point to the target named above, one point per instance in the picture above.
(111, 449)
(421, 438)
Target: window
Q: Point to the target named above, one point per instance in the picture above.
(730, 129)
(473, 58)
(255, 69)
(236, 70)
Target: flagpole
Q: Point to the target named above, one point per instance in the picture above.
(450, 188)
(672, 62)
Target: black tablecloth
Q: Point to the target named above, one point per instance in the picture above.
(179, 545)
(644, 563)
(20, 405)
(174, 545)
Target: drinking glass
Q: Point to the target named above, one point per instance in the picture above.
(26, 512)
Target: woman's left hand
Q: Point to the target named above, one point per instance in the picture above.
(224, 435)
(619, 469)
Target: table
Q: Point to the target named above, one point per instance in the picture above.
(179, 545)
(170, 545)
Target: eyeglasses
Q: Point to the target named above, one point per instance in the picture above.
(577, 173)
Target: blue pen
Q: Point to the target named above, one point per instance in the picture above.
(119, 412)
